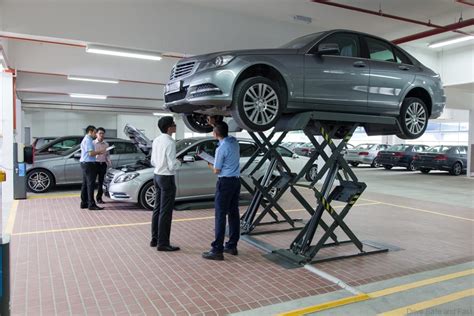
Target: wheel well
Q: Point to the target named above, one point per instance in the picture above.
(423, 95)
(267, 72)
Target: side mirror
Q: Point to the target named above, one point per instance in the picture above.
(77, 155)
(188, 158)
(329, 49)
(295, 156)
(52, 150)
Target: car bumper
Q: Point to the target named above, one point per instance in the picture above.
(437, 109)
(360, 159)
(393, 162)
(125, 191)
(432, 165)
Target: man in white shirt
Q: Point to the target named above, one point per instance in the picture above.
(163, 158)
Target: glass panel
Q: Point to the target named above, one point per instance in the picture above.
(439, 149)
(348, 44)
(398, 147)
(379, 50)
(247, 149)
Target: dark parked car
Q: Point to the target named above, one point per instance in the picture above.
(41, 141)
(339, 70)
(447, 158)
(59, 145)
(400, 156)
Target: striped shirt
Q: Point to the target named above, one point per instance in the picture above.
(104, 157)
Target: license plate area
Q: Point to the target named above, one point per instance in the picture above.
(173, 87)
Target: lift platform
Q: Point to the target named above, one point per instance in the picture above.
(336, 130)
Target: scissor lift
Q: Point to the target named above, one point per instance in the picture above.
(279, 178)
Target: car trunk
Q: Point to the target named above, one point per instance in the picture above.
(426, 157)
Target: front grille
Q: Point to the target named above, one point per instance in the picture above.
(176, 96)
(182, 70)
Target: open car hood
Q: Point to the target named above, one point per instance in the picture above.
(138, 138)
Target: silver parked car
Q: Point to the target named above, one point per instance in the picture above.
(337, 70)
(194, 180)
(64, 167)
(365, 154)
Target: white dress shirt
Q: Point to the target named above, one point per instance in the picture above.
(163, 155)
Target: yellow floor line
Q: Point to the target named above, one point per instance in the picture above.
(429, 303)
(53, 196)
(11, 218)
(376, 294)
(421, 210)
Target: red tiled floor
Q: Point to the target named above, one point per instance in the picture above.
(112, 270)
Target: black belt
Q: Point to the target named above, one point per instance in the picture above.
(229, 177)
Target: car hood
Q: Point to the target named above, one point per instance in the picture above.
(138, 138)
(264, 51)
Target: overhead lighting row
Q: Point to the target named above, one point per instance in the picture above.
(451, 41)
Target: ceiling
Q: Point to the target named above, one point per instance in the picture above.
(180, 27)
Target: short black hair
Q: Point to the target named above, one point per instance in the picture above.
(221, 129)
(101, 129)
(164, 123)
(90, 128)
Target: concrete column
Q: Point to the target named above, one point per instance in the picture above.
(388, 139)
(180, 127)
(470, 146)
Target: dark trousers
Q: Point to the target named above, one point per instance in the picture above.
(101, 171)
(227, 203)
(163, 210)
(89, 174)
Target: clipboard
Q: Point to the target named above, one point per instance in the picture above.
(110, 148)
(205, 156)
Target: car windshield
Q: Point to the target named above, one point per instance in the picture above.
(365, 146)
(398, 148)
(185, 143)
(302, 41)
(438, 149)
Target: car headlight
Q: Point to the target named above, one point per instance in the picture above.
(126, 177)
(219, 61)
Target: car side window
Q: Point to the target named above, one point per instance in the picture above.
(284, 152)
(247, 149)
(65, 144)
(119, 148)
(130, 148)
(462, 150)
(348, 44)
(207, 146)
(380, 50)
(401, 58)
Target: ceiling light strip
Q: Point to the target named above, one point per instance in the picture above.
(87, 96)
(451, 41)
(122, 52)
(91, 79)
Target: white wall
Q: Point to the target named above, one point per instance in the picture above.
(457, 65)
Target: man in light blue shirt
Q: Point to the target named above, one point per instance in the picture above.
(89, 169)
(227, 168)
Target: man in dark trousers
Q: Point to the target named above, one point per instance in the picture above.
(227, 168)
(163, 158)
(103, 162)
(89, 169)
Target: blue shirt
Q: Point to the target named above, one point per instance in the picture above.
(87, 145)
(227, 158)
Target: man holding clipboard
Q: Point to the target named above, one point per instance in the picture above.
(103, 161)
(227, 167)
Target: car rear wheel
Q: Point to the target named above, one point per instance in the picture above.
(425, 171)
(387, 167)
(354, 164)
(312, 173)
(40, 181)
(198, 122)
(413, 118)
(374, 163)
(147, 196)
(257, 104)
(456, 169)
(411, 166)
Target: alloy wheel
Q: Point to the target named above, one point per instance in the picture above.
(415, 118)
(261, 105)
(457, 169)
(150, 195)
(313, 173)
(39, 181)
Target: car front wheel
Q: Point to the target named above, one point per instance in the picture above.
(456, 169)
(312, 173)
(413, 118)
(147, 196)
(411, 166)
(40, 181)
(257, 104)
(425, 171)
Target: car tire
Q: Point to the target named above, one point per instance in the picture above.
(197, 123)
(456, 169)
(354, 164)
(411, 166)
(312, 173)
(39, 181)
(374, 163)
(146, 198)
(387, 167)
(413, 118)
(425, 171)
(257, 104)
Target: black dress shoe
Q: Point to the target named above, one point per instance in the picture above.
(95, 208)
(84, 206)
(100, 201)
(168, 248)
(153, 242)
(211, 255)
(232, 251)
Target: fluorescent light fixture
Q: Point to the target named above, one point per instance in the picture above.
(88, 96)
(122, 52)
(81, 78)
(451, 41)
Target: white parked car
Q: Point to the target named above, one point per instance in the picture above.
(364, 154)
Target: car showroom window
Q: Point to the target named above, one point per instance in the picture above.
(348, 44)
(379, 50)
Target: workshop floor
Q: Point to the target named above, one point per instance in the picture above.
(71, 261)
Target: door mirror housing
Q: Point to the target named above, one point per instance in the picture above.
(329, 49)
(77, 155)
(188, 158)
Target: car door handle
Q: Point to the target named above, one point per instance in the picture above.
(360, 64)
(405, 68)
